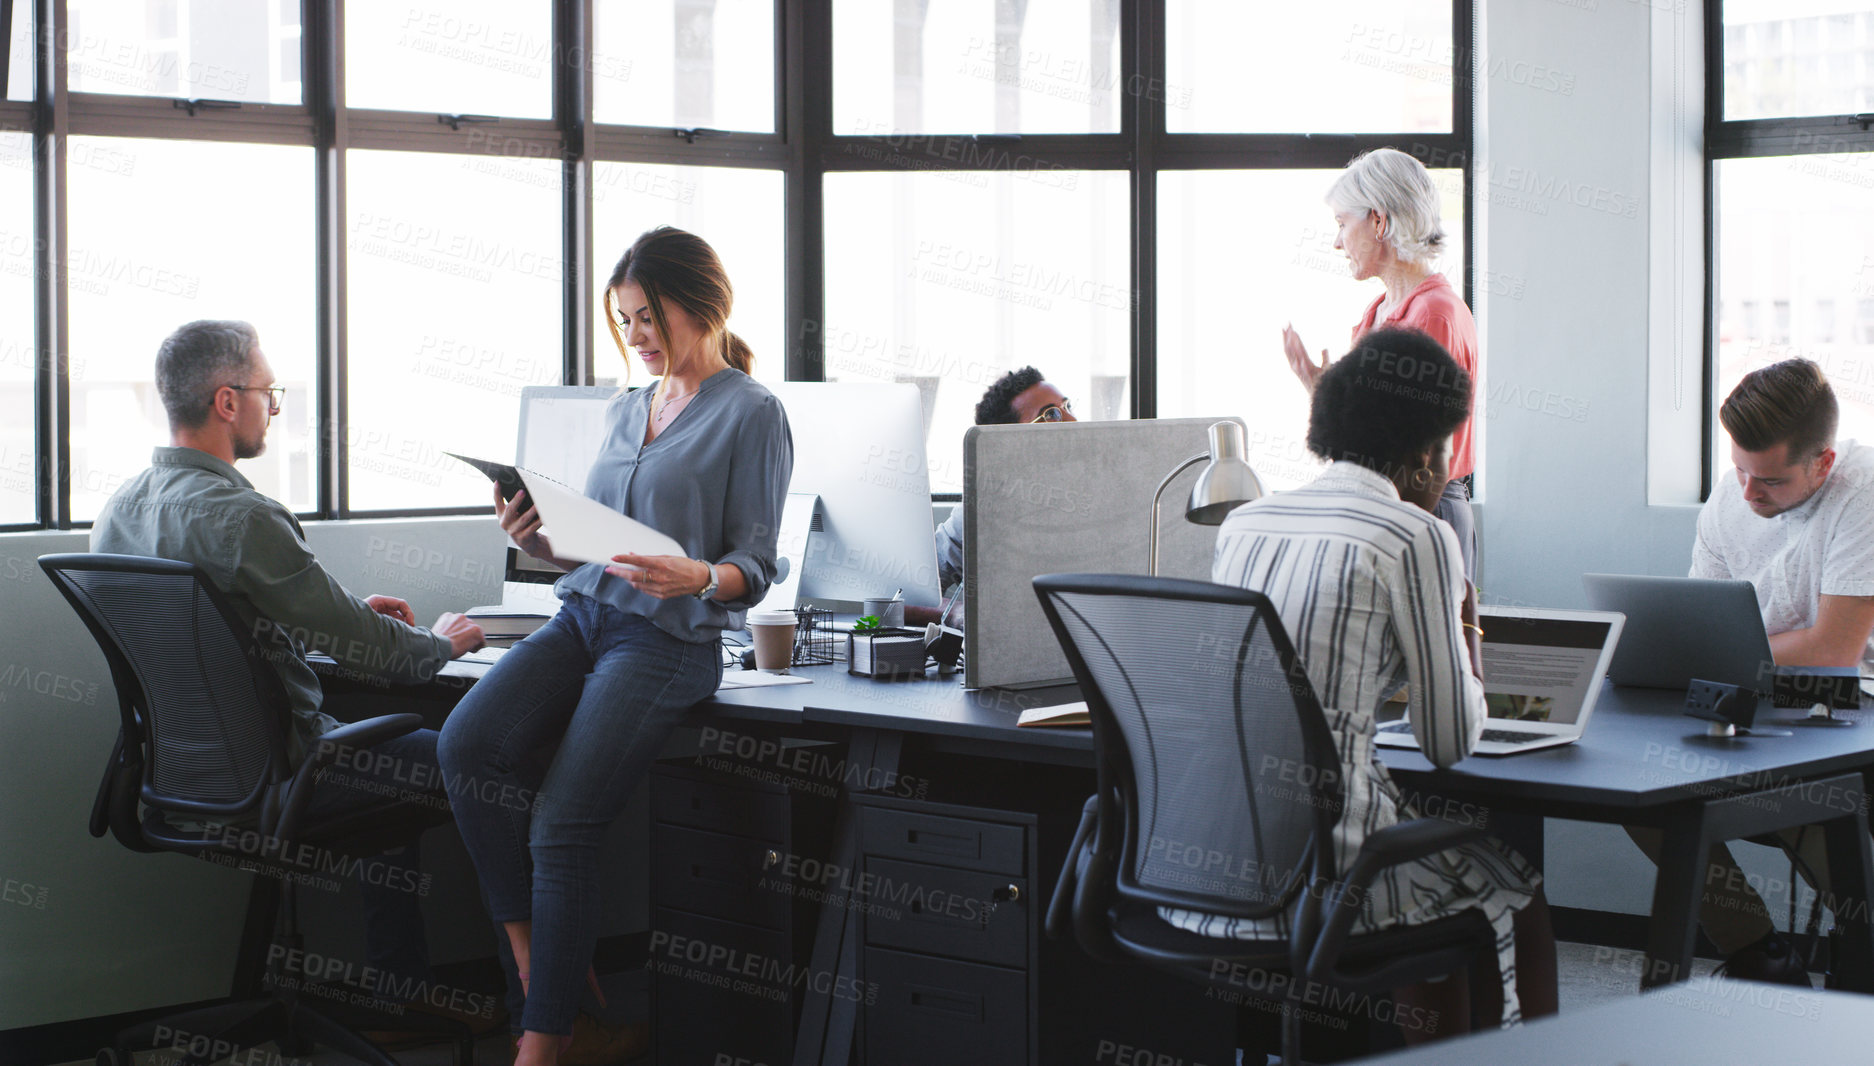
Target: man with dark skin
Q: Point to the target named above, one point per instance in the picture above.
(1018, 397)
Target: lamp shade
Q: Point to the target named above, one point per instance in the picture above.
(1226, 482)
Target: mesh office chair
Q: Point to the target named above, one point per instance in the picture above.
(1219, 789)
(203, 741)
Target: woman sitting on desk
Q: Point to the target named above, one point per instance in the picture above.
(1369, 587)
(705, 457)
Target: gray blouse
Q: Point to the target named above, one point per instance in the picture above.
(714, 480)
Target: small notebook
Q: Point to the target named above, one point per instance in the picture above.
(1060, 714)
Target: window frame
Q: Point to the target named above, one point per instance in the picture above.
(1751, 138)
(803, 147)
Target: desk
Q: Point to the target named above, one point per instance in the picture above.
(1706, 1020)
(1641, 762)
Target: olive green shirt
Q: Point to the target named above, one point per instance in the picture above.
(193, 507)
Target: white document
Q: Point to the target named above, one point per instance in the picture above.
(584, 529)
(758, 679)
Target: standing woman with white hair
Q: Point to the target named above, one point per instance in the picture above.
(1386, 210)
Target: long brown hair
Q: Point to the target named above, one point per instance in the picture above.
(673, 264)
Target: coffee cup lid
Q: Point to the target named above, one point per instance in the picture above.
(771, 618)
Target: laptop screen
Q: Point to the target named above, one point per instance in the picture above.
(1541, 669)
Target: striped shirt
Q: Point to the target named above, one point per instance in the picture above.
(1368, 588)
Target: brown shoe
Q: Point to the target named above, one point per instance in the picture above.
(598, 1044)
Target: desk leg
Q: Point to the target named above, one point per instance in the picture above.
(1678, 887)
(827, 1022)
(1849, 856)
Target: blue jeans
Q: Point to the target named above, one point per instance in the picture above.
(402, 767)
(606, 688)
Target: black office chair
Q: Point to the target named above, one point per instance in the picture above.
(203, 741)
(1219, 789)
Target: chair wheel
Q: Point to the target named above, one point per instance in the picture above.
(108, 1057)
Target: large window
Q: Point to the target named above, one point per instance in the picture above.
(1793, 199)
(418, 203)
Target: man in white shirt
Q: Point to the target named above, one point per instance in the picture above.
(1797, 522)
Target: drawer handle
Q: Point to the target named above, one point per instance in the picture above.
(1009, 893)
(770, 859)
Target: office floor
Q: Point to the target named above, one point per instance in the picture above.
(1589, 975)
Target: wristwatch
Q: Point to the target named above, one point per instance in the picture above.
(710, 589)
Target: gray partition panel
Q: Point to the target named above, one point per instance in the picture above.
(1043, 499)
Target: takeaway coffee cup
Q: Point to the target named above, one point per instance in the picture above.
(888, 611)
(773, 636)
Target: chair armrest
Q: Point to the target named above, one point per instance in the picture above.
(324, 749)
(1399, 843)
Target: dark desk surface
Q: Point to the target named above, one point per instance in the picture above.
(1708, 1021)
(1639, 751)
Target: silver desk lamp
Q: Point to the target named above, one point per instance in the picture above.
(1223, 486)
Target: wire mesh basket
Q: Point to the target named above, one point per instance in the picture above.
(813, 636)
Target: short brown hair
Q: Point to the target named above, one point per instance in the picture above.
(1789, 403)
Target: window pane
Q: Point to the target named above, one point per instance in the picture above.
(1221, 310)
(976, 66)
(739, 212)
(975, 275)
(1784, 59)
(1334, 66)
(146, 256)
(1795, 277)
(461, 57)
(19, 84)
(454, 307)
(206, 49)
(18, 356)
(684, 64)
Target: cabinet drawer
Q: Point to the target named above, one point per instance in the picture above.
(964, 914)
(932, 1012)
(719, 875)
(960, 842)
(724, 808)
(719, 989)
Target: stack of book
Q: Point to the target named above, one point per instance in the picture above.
(503, 626)
(886, 653)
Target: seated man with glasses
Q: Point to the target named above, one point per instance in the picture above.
(1017, 397)
(192, 505)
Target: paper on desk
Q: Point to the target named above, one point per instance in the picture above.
(584, 529)
(759, 679)
(1059, 714)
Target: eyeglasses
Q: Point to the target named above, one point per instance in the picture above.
(1054, 412)
(276, 394)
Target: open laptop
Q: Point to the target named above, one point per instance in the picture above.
(1680, 628)
(1542, 673)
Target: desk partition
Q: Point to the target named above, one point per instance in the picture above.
(1064, 497)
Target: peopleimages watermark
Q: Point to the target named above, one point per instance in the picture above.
(23, 894)
(748, 972)
(204, 1047)
(808, 768)
(1245, 984)
(308, 863)
(830, 883)
(1130, 1055)
(336, 978)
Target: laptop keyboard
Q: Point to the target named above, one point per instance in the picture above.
(1501, 736)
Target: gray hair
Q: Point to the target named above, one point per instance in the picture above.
(196, 360)
(1397, 186)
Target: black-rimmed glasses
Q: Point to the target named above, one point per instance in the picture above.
(276, 394)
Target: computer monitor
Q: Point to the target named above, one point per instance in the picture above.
(561, 428)
(860, 448)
